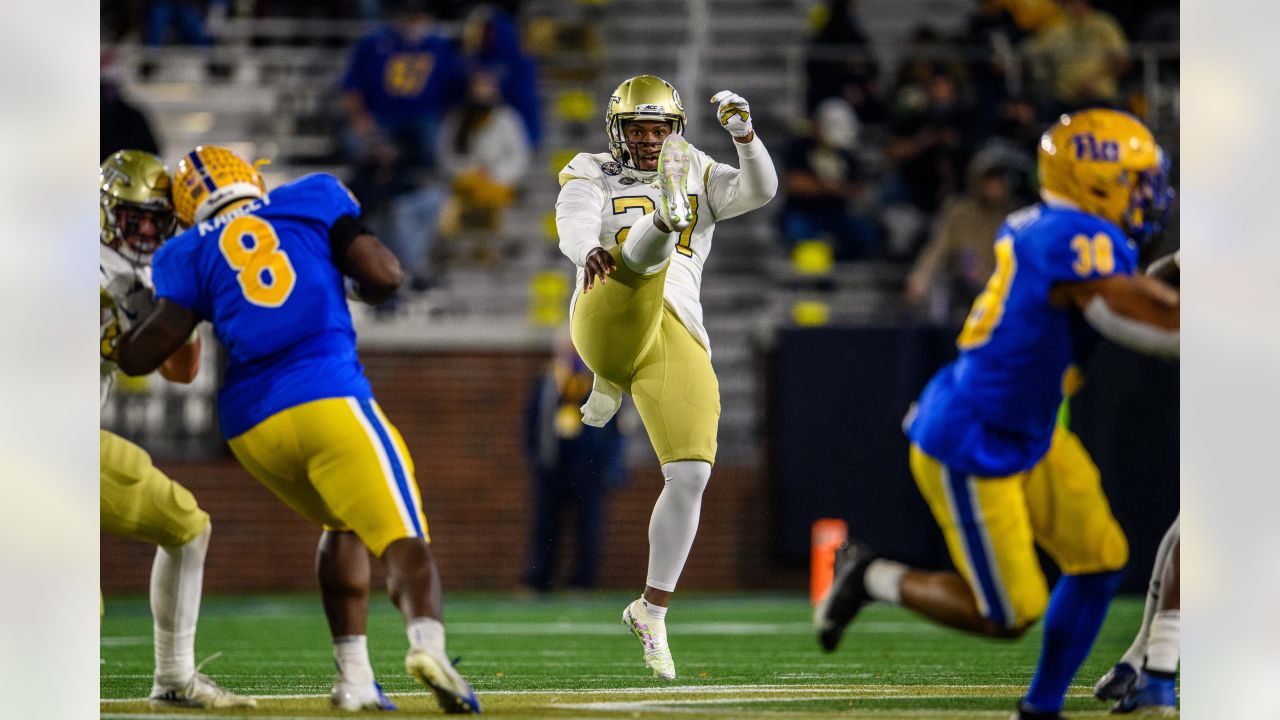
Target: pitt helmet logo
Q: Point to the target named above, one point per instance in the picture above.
(1088, 148)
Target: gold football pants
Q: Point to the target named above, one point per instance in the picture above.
(138, 501)
(626, 335)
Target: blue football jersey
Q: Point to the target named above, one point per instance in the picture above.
(264, 276)
(992, 411)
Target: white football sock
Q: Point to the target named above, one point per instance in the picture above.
(177, 576)
(1162, 645)
(655, 612)
(674, 522)
(1138, 650)
(426, 635)
(648, 249)
(351, 652)
(884, 580)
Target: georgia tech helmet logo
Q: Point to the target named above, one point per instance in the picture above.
(675, 97)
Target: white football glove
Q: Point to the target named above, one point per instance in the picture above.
(733, 112)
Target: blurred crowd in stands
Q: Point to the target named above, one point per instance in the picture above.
(914, 165)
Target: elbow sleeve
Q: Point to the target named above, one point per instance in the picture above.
(1131, 333)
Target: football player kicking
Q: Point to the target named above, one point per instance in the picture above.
(267, 270)
(1144, 678)
(638, 221)
(998, 472)
(137, 500)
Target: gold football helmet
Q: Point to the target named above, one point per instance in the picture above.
(1107, 163)
(643, 97)
(135, 213)
(208, 178)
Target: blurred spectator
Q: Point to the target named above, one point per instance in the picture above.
(927, 150)
(122, 126)
(991, 34)
(954, 266)
(1032, 15)
(573, 466)
(399, 82)
(484, 152)
(1083, 57)
(820, 179)
(1014, 138)
(185, 18)
(840, 64)
(490, 40)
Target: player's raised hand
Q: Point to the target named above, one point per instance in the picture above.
(733, 112)
(599, 264)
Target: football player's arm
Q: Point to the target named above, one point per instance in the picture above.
(359, 255)
(153, 341)
(734, 191)
(578, 209)
(1135, 311)
(184, 364)
(1167, 269)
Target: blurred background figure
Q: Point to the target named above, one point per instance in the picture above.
(820, 180)
(841, 62)
(959, 257)
(484, 152)
(573, 467)
(122, 125)
(179, 22)
(1083, 56)
(400, 81)
(491, 40)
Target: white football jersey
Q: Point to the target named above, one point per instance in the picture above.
(126, 296)
(600, 200)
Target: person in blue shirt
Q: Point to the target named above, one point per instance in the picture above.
(1000, 474)
(268, 271)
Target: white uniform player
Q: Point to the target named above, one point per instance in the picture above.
(644, 215)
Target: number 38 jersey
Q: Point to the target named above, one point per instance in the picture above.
(992, 411)
(264, 276)
(602, 208)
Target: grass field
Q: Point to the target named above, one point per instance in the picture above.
(737, 655)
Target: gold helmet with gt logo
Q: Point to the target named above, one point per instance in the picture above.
(643, 97)
(209, 178)
(135, 204)
(1107, 163)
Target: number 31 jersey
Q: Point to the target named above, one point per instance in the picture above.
(992, 411)
(263, 275)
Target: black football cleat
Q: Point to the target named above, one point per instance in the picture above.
(1116, 683)
(846, 596)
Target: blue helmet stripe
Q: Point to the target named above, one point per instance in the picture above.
(194, 157)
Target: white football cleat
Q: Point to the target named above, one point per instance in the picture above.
(452, 691)
(199, 692)
(353, 697)
(653, 635)
(674, 161)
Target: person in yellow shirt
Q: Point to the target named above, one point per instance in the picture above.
(1083, 56)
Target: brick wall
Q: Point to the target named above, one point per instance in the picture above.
(460, 415)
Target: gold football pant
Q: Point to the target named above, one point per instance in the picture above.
(992, 526)
(627, 336)
(338, 462)
(138, 501)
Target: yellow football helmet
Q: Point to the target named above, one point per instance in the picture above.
(1107, 163)
(208, 178)
(135, 211)
(643, 97)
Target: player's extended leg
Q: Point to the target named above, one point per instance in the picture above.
(678, 397)
(1073, 523)
(140, 502)
(357, 474)
(1116, 683)
(1155, 691)
(999, 589)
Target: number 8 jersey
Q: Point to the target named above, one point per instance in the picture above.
(264, 275)
(992, 411)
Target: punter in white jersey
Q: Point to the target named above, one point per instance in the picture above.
(138, 501)
(643, 214)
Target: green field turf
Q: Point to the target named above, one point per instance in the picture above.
(737, 655)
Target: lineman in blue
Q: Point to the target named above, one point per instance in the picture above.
(267, 270)
(1000, 474)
